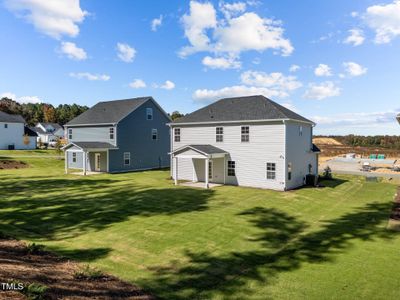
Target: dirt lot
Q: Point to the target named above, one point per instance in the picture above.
(58, 274)
(12, 164)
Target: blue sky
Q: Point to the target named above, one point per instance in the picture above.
(335, 62)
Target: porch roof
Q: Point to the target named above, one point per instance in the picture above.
(90, 145)
(204, 150)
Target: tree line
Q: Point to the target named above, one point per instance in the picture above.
(34, 113)
(383, 141)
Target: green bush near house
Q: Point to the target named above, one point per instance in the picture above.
(224, 243)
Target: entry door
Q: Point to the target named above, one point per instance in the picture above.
(97, 162)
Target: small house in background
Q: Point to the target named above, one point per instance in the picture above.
(118, 136)
(14, 134)
(49, 133)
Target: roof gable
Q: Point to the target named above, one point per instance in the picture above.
(241, 109)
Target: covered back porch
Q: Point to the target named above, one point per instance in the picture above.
(90, 157)
(207, 162)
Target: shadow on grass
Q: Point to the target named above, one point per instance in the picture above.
(285, 246)
(332, 183)
(44, 208)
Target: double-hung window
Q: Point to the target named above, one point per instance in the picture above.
(289, 171)
(177, 134)
(154, 134)
(149, 113)
(6, 126)
(271, 171)
(300, 130)
(219, 134)
(231, 168)
(74, 157)
(127, 158)
(70, 133)
(245, 134)
(111, 133)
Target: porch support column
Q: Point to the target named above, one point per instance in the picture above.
(84, 162)
(224, 169)
(207, 160)
(66, 161)
(176, 170)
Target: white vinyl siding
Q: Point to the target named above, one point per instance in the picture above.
(267, 144)
(13, 134)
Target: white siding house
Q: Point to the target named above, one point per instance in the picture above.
(14, 134)
(247, 141)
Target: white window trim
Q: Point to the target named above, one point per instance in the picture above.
(247, 134)
(180, 134)
(128, 157)
(266, 171)
(219, 134)
(74, 156)
(69, 133)
(111, 133)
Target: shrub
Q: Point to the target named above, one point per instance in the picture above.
(327, 173)
(35, 291)
(89, 273)
(34, 248)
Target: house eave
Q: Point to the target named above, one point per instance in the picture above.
(172, 124)
(90, 124)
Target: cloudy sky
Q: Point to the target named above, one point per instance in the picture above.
(335, 62)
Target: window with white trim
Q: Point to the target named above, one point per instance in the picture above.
(245, 134)
(111, 133)
(70, 133)
(300, 130)
(210, 169)
(127, 158)
(177, 134)
(289, 171)
(271, 171)
(231, 168)
(154, 134)
(6, 126)
(149, 113)
(74, 157)
(219, 134)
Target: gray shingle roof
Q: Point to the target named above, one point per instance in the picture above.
(29, 131)
(5, 117)
(54, 125)
(94, 145)
(241, 109)
(108, 112)
(207, 149)
(315, 148)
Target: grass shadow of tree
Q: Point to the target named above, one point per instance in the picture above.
(285, 246)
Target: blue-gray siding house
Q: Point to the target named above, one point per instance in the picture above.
(119, 136)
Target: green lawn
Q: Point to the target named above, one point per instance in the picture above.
(225, 243)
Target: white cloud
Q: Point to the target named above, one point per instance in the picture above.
(229, 62)
(253, 83)
(232, 34)
(275, 81)
(72, 51)
(53, 18)
(90, 76)
(23, 99)
(323, 70)
(232, 91)
(294, 68)
(137, 84)
(125, 52)
(384, 20)
(232, 9)
(167, 85)
(356, 37)
(155, 23)
(321, 91)
(353, 69)
(358, 118)
(201, 17)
